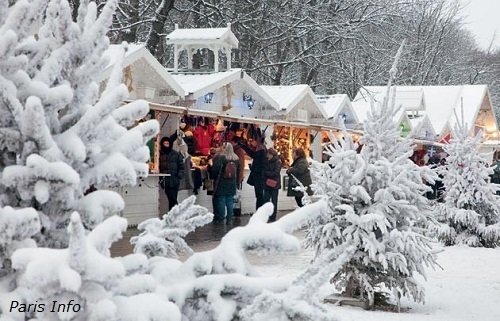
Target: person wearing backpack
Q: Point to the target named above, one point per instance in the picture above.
(226, 171)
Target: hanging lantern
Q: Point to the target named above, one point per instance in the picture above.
(250, 103)
(208, 97)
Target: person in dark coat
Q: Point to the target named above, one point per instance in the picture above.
(299, 169)
(171, 162)
(225, 187)
(257, 152)
(272, 175)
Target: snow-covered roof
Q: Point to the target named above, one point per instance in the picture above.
(361, 106)
(198, 85)
(199, 36)
(422, 128)
(473, 97)
(334, 104)
(134, 53)
(288, 97)
(440, 102)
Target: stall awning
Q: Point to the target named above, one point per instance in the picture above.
(269, 122)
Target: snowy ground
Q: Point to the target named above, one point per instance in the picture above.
(467, 289)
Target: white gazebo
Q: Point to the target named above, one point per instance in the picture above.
(190, 40)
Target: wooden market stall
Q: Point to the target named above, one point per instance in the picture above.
(146, 79)
(241, 126)
(297, 104)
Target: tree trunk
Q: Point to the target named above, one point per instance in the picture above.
(74, 9)
(158, 24)
(130, 35)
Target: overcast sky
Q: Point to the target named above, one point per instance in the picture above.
(483, 18)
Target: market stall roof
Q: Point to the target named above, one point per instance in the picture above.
(198, 84)
(289, 97)
(203, 36)
(334, 104)
(422, 127)
(135, 53)
(440, 104)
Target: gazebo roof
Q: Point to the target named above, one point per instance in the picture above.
(203, 36)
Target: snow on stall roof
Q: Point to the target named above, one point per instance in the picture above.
(332, 104)
(202, 83)
(113, 51)
(416, 122)
(472, 100)
(134, 53)
(199, 84)
(440, 101)
(286, 96)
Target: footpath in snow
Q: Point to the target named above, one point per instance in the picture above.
(467, 289)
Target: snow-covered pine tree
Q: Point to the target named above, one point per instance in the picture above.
(104, 288)
(61, 141)
(214, 285)
(470, 213)
(165, 236)
(375, 202)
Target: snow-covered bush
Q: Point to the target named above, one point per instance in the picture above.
(213, 285)
(101, 287)
(165, 236)
(61, 140)
(470, 213)
(16, 229)
(300, 301)
(222, 280)
(375, 204)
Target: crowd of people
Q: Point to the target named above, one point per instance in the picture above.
(225, 168)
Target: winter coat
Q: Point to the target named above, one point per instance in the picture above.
(495, 177)
(241, 155)
(224, 186)
(187, 181)
(299, 169)
(172, 163)
(191, 142)
(273, 171)
(258, 164)
(203, 136)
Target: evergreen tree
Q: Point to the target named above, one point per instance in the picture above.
(214, 285)
(470, 213)
(165, 236)
(376, 205)
(62, 140)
